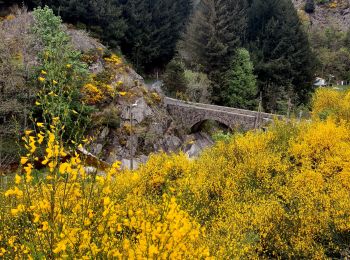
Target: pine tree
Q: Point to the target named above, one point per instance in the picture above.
(154, 28)
(281, 52)
(241, 90)
(215, 31)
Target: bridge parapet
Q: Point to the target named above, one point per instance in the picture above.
(190, 114)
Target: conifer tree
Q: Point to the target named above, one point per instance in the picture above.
(241, 90)
(174, 78)
(281, 52)
(215, 31)
(153, 30)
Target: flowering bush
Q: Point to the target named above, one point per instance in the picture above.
(64, 212)
(330, 103)
(60, 76)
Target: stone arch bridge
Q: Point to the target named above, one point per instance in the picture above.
(191, 114)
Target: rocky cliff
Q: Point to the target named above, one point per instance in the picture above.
(331, 13)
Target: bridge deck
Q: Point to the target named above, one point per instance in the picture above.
(236, 111)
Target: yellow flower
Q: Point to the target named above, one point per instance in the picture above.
(106, 201)
(24, 160)
(18, 179)
(2, 251)
(41, 79)
(45, 225)
(40, 124)
(28, 132)
(61, 246)
(122, 93)
(54, 82)
(43, 72)
(69, 66)
(36, 217)
(40, 138)
(37, 103)
(87, 222)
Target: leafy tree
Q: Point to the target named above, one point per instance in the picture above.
(281, 52)
(241, 89)
(216, 29)
(198, 86)
(333, 50)
(310, 6)
(174, 78)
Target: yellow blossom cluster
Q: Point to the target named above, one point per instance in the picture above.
(97, 92)
(114, 59)
(331, 103)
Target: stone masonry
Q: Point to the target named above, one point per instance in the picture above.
(190, 114)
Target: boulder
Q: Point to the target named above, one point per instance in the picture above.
(171, 143)
(139, 112)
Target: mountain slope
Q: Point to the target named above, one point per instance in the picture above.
(334, 13)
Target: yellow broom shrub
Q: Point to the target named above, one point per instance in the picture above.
(281, 194)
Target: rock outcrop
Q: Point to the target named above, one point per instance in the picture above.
(335, 13)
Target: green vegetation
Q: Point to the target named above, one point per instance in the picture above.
(270, 30)
(333, 51)
(59, 77)
(216, 29)
(174, 78)
(283, 61)
(146, 31)
(241, 89)
(153, 30)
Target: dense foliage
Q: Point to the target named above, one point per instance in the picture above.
(332, 47)
(146, 31)
(174, 78)
(240, 82)
(60, 76)
(153, 30)
(215, 30)
(284, 63)
(284, 193)
(270, 30)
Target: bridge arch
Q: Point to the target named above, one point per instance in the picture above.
(191, 114)
(195, 126)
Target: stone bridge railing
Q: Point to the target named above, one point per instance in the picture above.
(191, 114)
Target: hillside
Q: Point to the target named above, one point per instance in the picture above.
(334, 13)
(112, 89)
